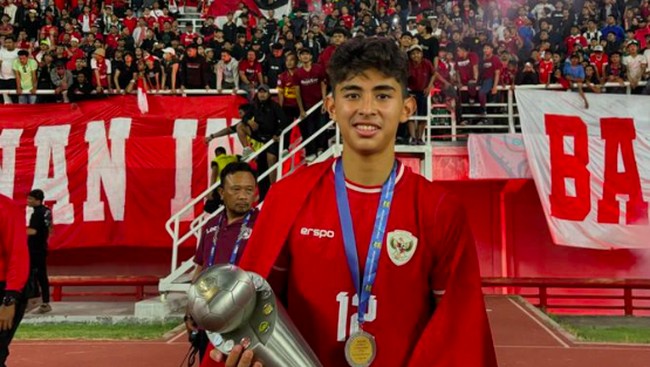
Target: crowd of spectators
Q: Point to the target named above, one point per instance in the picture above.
(93, 48)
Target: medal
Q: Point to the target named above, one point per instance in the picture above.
(360, 349)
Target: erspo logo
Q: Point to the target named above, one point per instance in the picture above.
(319, 233)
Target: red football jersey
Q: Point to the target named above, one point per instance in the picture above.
(545, 71)
(465, 67)
(321, 297)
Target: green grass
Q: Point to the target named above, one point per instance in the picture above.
(613, 329)
(117, 331)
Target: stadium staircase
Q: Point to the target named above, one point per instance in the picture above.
(178, 280)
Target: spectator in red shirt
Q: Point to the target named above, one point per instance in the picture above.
(420, 80)
(348, 20)
(189, 36)
(250, 74)
(546, 68)
(287, 89)
(467, 68)
(337, 37)
(130, 21)
(490, 73)
(311, 82)
(73, 53)
(574, 38)
(599, 60)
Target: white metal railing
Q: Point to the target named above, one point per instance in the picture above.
(111, 92)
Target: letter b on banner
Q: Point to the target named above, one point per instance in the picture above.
(567, 167)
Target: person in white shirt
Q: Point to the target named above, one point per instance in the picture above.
(10, 10)
(8, 54)
(540, 8)
(227, 70)
(635, 63)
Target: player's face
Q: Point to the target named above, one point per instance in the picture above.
(368, 108)
(238, 192)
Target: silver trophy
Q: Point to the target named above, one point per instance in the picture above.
(239, 307)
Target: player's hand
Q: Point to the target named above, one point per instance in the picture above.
(7, 317)
(237, 357)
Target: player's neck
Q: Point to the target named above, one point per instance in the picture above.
(368, 170)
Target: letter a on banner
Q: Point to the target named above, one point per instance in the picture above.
(591, 166)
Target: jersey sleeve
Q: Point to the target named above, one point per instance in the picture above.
(454, 235)
(458, 332)
(13, 239)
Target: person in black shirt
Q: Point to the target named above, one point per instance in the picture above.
(230, 28)
(40, 226)
(194, 70)
(428, 42)
(264, 122)
(126, 74)
(274, 65)
(81, 89)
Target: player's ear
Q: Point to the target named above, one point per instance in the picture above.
(408, 109)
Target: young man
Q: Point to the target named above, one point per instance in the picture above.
(420, 81)
(25, 69)
(425, 307)
(264, 122)
(311, 80)
(40, 227)
(224, 237)
(14, 269)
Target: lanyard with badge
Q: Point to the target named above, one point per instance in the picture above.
(240, 237)
(361, 348)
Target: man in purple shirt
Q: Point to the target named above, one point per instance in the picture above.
(224, 237)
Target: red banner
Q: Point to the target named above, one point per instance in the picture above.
(111, 175)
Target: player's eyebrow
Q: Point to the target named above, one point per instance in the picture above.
(377, 88)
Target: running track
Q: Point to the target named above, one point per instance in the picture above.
(520, 335)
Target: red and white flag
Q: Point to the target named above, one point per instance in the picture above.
(591, 166)
(143, 104)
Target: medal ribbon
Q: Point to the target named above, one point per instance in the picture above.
(235, 250)
(363, 286)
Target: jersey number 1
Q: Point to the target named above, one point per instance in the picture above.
(343, 301)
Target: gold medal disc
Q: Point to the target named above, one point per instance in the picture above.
(360, 349)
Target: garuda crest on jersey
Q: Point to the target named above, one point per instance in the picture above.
(401, 246)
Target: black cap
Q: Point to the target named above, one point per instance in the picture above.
(303, 50)
(37, 194)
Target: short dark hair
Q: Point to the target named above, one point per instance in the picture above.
(235, 167)
(219, 151)
(37, 194)
(23, 53)
(357, 55)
